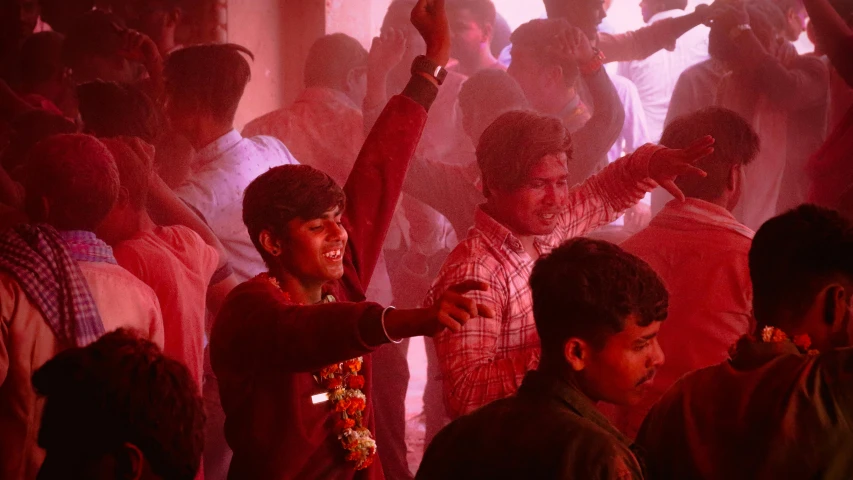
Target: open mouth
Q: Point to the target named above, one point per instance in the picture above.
(334, 254)
(548, 217)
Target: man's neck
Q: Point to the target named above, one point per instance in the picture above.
(528, 242)
(134, 223)
(300, 293)
(483, 61)
(210, 134)
(561, 100)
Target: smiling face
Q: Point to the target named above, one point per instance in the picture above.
(533, 207)
(313, 250)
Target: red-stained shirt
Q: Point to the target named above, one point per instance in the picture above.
(177, 264)
(265, 350)
(488, 358)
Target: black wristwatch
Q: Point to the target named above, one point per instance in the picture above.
(422, 64)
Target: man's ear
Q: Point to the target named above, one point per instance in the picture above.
(271, 244)
(130, 462)
(123, 198)
(554, 74)
(173, 19)
(488, 31)
(576, 352)
(835, 307)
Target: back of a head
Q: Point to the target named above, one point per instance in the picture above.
(736, 143)
(398, 13)
(61, 14)
(208, 78)
(135, 162)
(483, 11)
(78, 177)
(489, 94)
(92, 34)
(514, 143)
(538, 38)
(110, 109)
(795, 255)
(120, 389)
(27, 130)
(330, 60)
(284, 193)
(41, 58)
(587, 288)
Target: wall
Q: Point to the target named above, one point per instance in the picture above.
(256, 24)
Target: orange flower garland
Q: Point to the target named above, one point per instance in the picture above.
(344, 384)
(775, 335)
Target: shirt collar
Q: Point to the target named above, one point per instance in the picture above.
(495, 232)
(326, 95)
(694, 209)
(667, 14)
(218, 147)
(539, 383)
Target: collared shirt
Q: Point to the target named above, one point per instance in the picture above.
(488, 358)
(635, 131)
(549, 429)
(768, 413)
(223, 170)
(702, 254)
(323, 128)
(656, 75)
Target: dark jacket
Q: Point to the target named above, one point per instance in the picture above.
(548, 430)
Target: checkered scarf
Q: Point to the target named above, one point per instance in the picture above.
(39, 259)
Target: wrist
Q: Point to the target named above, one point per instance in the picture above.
(401, 324)
(593, 65)
(440, 55)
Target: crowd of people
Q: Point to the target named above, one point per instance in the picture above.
(630, 255)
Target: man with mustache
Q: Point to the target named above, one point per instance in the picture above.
(780, 406)
(524, 159)
(598, 310)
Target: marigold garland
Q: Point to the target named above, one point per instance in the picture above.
(776, 335)
(344, 384)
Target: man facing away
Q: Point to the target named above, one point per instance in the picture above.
(780, 406)
(204, 84)
(700, 251)
(119, 409)
(60, 285)
(656, 75)
(529, 210)
(598, 310)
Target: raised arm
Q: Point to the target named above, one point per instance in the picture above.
(593, 141)
(641, 43)
(601, 199)
(789, 81)
(376, 182)
(835, 35)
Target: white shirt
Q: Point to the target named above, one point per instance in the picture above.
(221, 174)
(656, 75)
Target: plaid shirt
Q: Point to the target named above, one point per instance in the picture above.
(488, 358)
(46, 267)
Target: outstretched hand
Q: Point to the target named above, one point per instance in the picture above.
(668, 164)
(453, 309)
(430, 19)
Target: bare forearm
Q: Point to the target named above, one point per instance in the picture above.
(166, 208)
